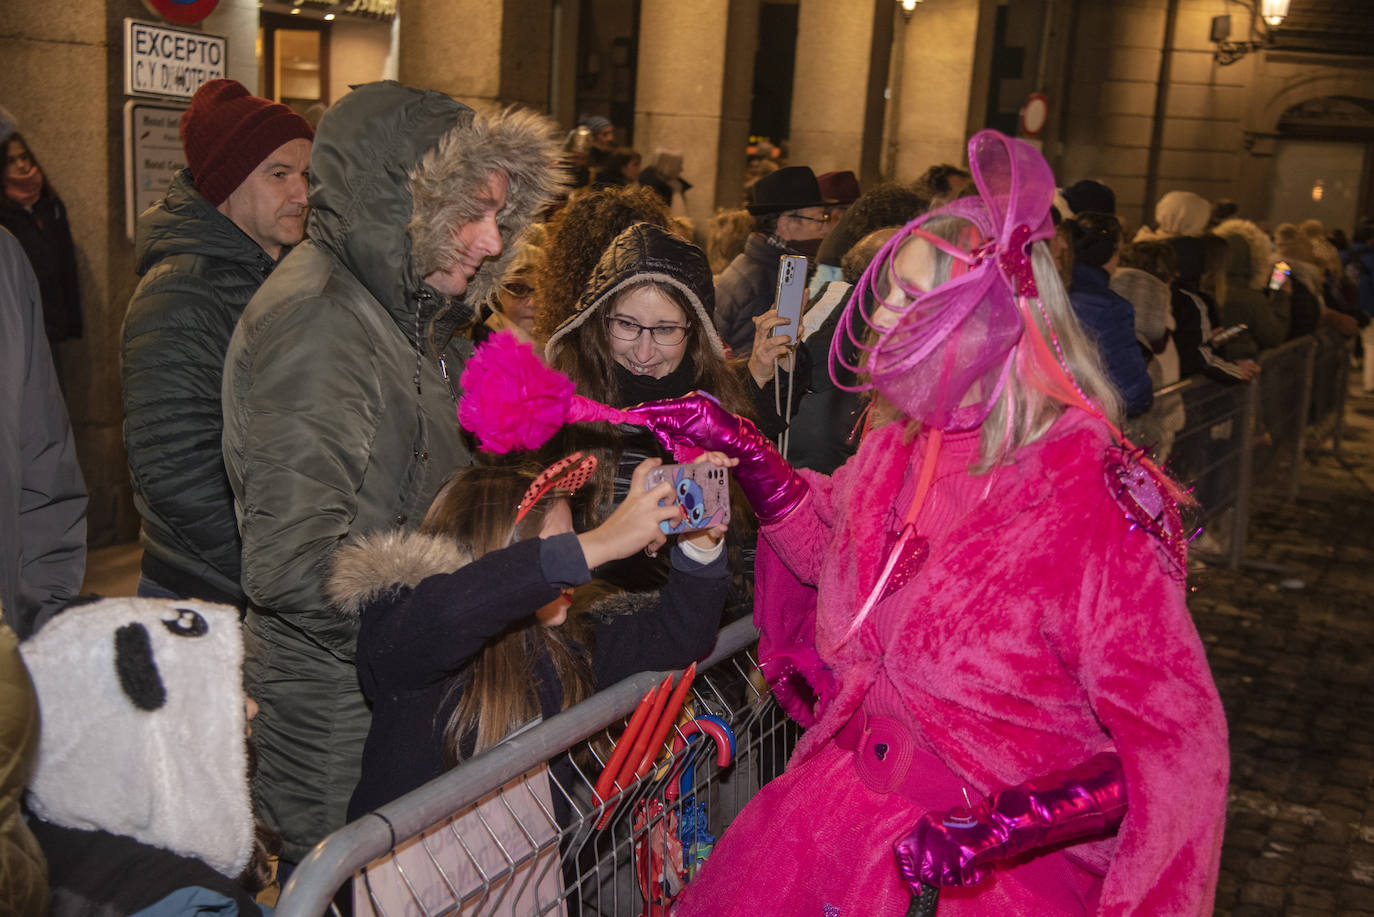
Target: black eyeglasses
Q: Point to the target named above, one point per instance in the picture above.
(664, 335)
(798, 216)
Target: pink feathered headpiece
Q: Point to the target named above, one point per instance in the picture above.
(511, 400)
(964, 331)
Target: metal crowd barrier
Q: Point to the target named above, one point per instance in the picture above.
(519, 830)
(1240, 439)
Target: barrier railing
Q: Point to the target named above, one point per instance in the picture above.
(1247, 437)
(521, 829)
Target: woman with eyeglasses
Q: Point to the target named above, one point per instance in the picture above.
(511, 305)
(641, 331)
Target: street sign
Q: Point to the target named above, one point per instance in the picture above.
(185, 12)
(1034, 114)
(163, 61)
(152, 154)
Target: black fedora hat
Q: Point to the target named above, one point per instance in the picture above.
(791, 188)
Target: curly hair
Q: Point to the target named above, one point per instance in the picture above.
(725, 236)
(577, 237)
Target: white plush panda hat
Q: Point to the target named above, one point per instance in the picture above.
(142, 726)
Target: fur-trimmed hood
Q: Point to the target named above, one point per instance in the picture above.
(367, 569)
(643, 253)
(1250, 265)
(381, 141)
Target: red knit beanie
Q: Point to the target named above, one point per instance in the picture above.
(227, 133)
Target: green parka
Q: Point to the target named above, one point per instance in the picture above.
(338, 419)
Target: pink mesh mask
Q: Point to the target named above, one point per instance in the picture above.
(961, 334)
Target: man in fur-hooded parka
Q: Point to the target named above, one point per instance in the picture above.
(339, 400)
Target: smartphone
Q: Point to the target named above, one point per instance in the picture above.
(1279, 274)
(791, 294)
(1227, 334)
(701, 490)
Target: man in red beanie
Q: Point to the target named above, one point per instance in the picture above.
(203, 251)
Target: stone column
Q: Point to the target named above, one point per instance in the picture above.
(932, 101)
(485, 53)
(843, 48)
(696, 64)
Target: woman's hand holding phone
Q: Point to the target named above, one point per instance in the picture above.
(769, 347)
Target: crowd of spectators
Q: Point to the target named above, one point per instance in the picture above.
(290, 385)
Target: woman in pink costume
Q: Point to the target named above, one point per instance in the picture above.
(980, 617)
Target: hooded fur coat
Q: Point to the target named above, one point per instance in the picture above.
(1042, 628)
(339, 420)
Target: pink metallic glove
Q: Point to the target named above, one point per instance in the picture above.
(697, 420)
(960, 846)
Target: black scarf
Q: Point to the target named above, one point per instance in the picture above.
(636, 388)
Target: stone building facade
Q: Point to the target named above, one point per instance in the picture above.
(1137, 99)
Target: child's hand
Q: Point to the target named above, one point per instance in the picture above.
(709, 538)
(634, 524)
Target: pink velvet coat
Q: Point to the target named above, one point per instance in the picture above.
(1042, 629)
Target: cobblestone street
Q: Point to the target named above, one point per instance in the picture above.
(1292, 652)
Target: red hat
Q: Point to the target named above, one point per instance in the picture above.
(841, 187)
(227, 133)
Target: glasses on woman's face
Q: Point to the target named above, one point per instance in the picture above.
(664, 335)
(518, 290)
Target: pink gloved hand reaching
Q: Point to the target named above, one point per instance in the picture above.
(696, 422)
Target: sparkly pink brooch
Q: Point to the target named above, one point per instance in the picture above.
(1146, 500)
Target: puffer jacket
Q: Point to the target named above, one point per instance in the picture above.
(23, 871)
(1110, 320)
(199, 271)
(745, 289)
(340, 421)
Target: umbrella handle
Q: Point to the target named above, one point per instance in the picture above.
(706, 724)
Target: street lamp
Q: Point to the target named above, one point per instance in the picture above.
(1272, 12)
(908, 7)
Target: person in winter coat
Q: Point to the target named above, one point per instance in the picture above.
(32, 211)
(203, 251)
(987, 640)
(1109, 318)
(42, 493)
(339, 392)
(1197, 318)
(790, 217)
(642, 331)
(1143, 281)
(140, 787)
(1249, 299)
(453, 617)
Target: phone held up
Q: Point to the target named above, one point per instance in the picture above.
(701, 491)
(791, 294)
(1280, 273)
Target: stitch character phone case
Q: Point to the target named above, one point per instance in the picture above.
(702, 492)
